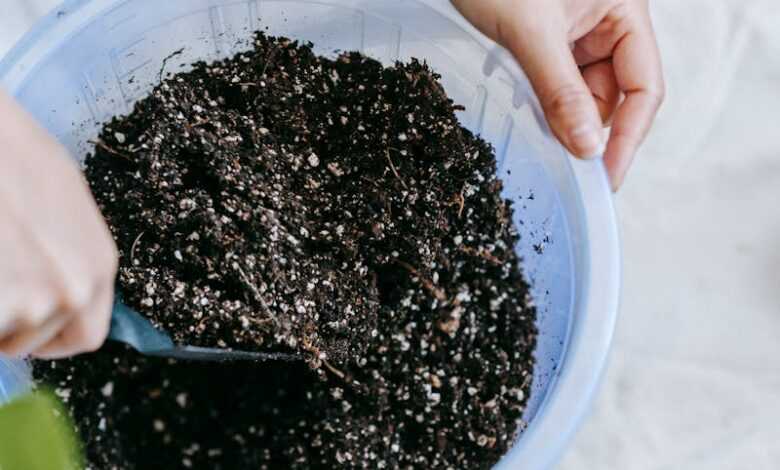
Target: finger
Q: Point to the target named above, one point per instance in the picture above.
(599, 43)
(86, 331)
(23, 313)
(600, 78)
(9, 314)
(543, 52)
(24, 341)
(29, 303)
(584, 57)
(9, 324)
(638, 72)
(29, 292)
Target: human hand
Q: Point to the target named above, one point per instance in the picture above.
(57, 258)
(612, 74)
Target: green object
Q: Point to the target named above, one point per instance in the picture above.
(36, 433)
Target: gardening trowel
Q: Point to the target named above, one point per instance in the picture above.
(130, 327)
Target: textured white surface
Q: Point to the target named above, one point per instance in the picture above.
(694, 378)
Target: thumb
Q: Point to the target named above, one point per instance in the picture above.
(544, 54)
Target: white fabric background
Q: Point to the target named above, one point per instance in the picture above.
(694, 377)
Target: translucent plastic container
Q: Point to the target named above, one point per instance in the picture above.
(74, 71)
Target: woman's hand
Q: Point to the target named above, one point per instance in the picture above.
(57, 258)
(612, 75)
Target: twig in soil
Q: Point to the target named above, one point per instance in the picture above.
(99, 143)
(437, 292)
(369, 180)
(482, 253)
(201, 122)
(460, 200)
(134, 245)
(392, 167)
(315, 352)
(165, 61)
(255, 291)
(268, 59)
(527, 381)
(335, 371)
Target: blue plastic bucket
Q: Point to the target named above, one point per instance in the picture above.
(73, 70)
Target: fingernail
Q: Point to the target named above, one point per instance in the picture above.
(616, 182)
(587, 140)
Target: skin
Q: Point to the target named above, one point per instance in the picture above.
(611, 76)
(59, 261)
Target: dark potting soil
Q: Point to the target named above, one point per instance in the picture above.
(279, 200)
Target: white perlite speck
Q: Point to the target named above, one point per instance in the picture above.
(181, 399)
(108, 389)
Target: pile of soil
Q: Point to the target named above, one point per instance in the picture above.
(279, 200)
